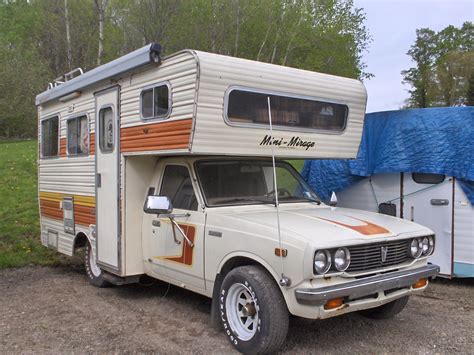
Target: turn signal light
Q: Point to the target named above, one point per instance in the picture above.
(334, 303)
(420, 283)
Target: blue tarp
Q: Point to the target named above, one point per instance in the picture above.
(430, 140)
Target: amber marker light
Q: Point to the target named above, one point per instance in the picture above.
(420, 283)
(334, 303)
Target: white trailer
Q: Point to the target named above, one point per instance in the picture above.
(123, 144)
(433, 200)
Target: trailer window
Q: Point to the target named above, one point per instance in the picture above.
(246, 107)
(178, 187)
(78, 135)
(49, 137)
(155, 102)
(427, 178)
(106, 130)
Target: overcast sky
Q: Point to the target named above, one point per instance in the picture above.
(392, 24)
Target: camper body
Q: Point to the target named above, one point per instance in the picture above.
(433, 200)
(121, 144)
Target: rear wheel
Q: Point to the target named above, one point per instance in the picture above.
(253, 311)
(386, 311)
(93, 271)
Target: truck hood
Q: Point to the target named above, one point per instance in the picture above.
(323, 224)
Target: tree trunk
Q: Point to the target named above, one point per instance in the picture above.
(101, 6)
(68, 37)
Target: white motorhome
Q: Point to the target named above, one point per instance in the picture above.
(163, 167)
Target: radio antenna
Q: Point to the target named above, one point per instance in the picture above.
(284, 281)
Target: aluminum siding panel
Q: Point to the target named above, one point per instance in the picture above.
(463, 227)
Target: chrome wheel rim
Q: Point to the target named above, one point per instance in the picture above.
(242, 311)
(93, 265)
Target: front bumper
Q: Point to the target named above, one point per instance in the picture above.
(366, 286)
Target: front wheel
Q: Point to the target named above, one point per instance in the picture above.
(253, 311)
(386, 311)
(93, 271)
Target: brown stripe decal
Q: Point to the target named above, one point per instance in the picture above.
(186, 257)
(92, 144)
(367, 229)
(62, 147)
(156, 136)
(84, 213)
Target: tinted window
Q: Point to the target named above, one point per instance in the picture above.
(178, 187)
(245, 107)
(155, 102)
(427, 178)
(106, 129)
(50, 137)
(78, 136)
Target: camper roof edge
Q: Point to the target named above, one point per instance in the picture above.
(147, 54)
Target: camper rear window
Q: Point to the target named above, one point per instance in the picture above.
(49, 137)
(427, 178)
(78, 136)
(248, 107)
(155, 102)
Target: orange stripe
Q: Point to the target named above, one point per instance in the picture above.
(83, 215)
(367, 229)
(156, 136)
(92, 144)
(187, 251)
(62, 147)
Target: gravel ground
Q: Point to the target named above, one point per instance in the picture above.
(55, 310)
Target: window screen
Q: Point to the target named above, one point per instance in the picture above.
(106, 130)
(178, 187)
(78, 136)
(427, 178)
(155, 102)
(50, 137)
(246, 107)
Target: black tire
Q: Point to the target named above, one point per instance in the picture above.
(95, 279)
(386, 311)
(270, 320)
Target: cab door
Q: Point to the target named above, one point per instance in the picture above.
(170, 253)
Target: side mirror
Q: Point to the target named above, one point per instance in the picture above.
(158, 205)
(333, 201)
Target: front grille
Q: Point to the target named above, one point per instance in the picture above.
(369, 256)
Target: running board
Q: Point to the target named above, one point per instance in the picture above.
(118, 280)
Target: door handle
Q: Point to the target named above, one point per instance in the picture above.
(439, 202)
(156, 223)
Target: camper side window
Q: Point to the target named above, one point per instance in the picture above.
(427, 178)
(49, 137)
(248, 106)
(178, 187)
(78, 136)
(155, 102)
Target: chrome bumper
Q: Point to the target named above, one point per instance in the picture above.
(366, 286)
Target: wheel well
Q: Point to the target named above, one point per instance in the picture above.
(80, 241)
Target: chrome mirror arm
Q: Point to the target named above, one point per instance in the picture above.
(176, 225)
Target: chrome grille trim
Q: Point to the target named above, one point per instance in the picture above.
(369, 256)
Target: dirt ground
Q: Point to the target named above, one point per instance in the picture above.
(45, 310)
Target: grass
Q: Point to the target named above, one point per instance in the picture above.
(19, 217)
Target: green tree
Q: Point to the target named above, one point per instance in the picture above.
(444, 62)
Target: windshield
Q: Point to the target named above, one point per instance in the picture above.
(239, 182)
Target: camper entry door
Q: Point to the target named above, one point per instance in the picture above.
(107, 178)
(427, 200)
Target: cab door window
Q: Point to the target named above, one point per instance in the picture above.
(178, 187)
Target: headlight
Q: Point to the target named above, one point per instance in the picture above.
(322, 261)
(431, 245)
(425, 246)
(416, 248)
(342, 259)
